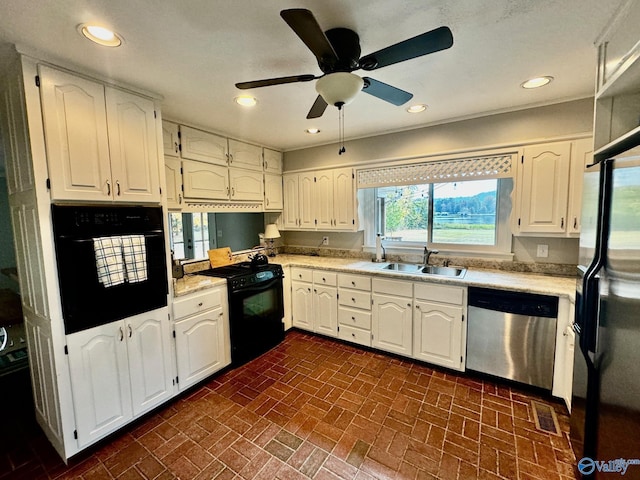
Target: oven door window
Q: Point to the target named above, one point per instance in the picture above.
(261, 303)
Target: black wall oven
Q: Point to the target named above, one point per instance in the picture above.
(256, 308)
(87, 299)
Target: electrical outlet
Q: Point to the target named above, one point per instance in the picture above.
(543, 251)
(325, 240)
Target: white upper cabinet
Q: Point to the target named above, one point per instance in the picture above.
(581, 156)
(272, 160)
(203, 146)
(173, 177)
(544, 188)
(245, 155)
(246, 185)
(101, 143)
(75, 125)
(206, 181)
(133, 147)
(323, 200)
(273, 199)
(170, 139)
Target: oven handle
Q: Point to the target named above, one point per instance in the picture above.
(153, 234)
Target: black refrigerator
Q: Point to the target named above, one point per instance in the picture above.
(605, 415)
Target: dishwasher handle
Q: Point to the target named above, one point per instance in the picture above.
(519, 303)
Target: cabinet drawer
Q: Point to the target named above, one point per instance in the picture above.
(354, 298)
(198, 302)
(324, 278)
(392, 287)
(439, 293)
(301, 274)
(355, 335)
(359, 282)
(351, 317)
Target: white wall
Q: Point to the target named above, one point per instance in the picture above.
(542, 123)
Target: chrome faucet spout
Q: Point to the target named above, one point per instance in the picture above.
(427, 254)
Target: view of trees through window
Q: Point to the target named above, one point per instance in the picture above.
(463, 212)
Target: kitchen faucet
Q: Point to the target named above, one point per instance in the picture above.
(427, 254)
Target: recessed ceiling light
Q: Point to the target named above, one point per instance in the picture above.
(313, 131)
(537, 82)
(100, 35)
(246, 100)
(421, 107)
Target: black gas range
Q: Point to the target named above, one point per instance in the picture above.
(256, 307)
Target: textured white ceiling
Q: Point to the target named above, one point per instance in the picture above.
(192, 52)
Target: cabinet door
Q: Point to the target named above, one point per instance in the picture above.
(391, 324)
(569, 337)
(545, 181)
(203, 180)
(200, 346)
(203, 146)
(99, 372)
(290, 211)
(246, 185)
(170, 139)
(75, 126)
(173, 178)
(133, 147)
(149, 351)
(306, 201)
(272, 161)
(323, 201)
(581, 156)
(245, 155)
(343, 199)
(273, 199)
(325, 310)
(438, 334)
(302, 305)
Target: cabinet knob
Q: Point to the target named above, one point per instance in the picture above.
(353, 335)
(353, 299)
(408, 304)
(418, 307)
(266, 165)
(200, 304)
(324, 279)
(353, 283)
(353, 318)
(175, 146)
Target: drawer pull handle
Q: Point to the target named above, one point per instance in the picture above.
(130, 331)
(121, 333)
(324, 279)
(200, 304)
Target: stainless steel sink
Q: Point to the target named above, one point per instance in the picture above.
(429, 270)
(403, 267)
(444, 271)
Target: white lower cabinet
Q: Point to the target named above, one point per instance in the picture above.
(354, 309)
(315, 301)
(439, 330)
(392, 316)
(118, 372)
(203, 344)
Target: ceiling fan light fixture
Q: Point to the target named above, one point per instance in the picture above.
(100, 35)
(339, 88)
(246, 100)
(537, 82)
(312, 131)
(418, 108)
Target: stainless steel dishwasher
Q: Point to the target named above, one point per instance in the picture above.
(512, 335)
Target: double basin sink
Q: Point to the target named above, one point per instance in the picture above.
(455, 272)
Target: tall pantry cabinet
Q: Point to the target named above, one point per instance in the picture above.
(66, 137)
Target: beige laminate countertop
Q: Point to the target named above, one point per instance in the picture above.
(504, 280)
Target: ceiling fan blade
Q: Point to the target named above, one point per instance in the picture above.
(385, 92)
(318, 108)
(439, 39)
(275, 81)
(304, 24)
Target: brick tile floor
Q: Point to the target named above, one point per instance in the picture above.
(317, 408)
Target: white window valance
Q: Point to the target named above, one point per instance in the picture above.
(458, 169)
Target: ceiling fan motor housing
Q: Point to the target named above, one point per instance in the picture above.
(346, 44)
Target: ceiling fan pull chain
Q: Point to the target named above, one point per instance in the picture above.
(341, 129)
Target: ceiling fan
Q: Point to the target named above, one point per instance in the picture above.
(338, 53)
